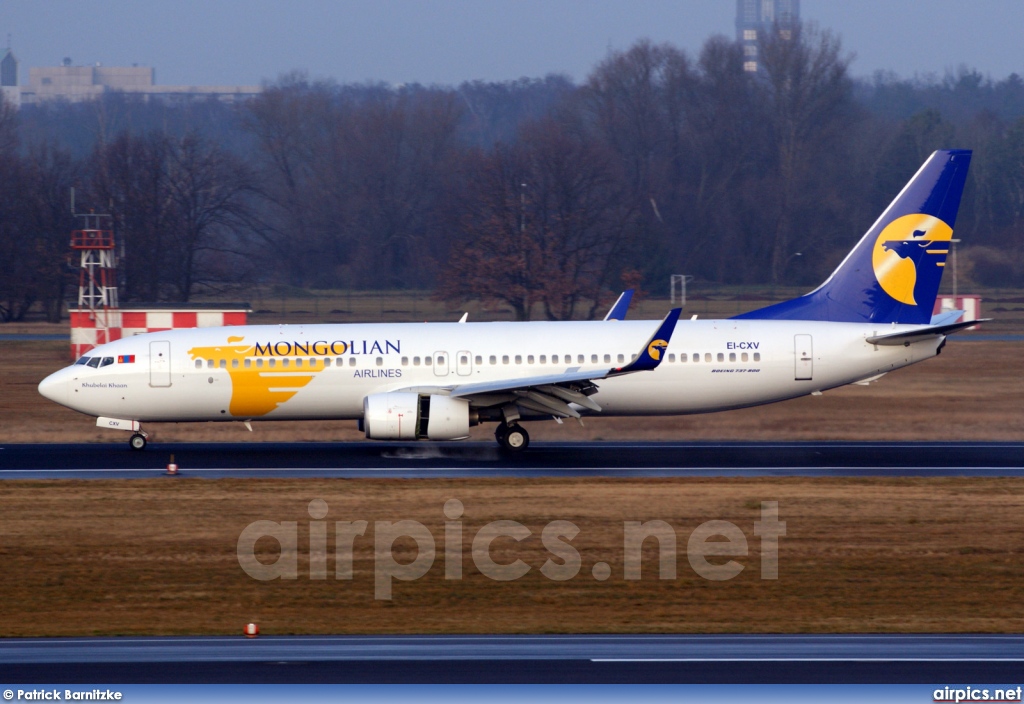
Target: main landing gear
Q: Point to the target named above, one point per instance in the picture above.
(512, 438)
(138, 441)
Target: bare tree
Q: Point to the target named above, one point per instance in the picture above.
(207, 191)
(808, 101)
(544, 223)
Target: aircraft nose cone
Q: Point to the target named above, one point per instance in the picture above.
(55, 387)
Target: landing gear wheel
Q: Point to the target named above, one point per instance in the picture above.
(514, 439)
(137, 441)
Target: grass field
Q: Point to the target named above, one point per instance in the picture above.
(159, 556)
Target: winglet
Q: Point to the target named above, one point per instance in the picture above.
(618, 311)
(653, 351)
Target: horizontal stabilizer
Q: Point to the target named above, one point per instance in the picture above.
(946, 317)
(905, 338)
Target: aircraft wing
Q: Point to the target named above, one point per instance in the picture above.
(901, 338)
(618, 310)
(551, 394)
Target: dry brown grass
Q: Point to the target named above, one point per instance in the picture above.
(158, 556)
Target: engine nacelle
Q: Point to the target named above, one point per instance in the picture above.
(447, 418)
(408, 416)
(394, 416)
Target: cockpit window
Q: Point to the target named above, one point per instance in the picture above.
(94, 362)
(107, 361)
(83, 360)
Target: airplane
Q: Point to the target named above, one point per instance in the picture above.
(411, 381)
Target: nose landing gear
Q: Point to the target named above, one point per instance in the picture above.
(138, 441)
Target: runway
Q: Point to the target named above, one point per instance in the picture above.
(665, 659)
(448, 460)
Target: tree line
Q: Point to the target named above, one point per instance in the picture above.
(541, 196)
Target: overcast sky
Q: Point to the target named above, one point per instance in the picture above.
(243, 42)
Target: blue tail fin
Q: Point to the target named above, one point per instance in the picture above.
(893, 274)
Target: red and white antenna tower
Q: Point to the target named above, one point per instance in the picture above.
(97, 280)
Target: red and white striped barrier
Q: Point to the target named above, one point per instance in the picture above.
(88, 332)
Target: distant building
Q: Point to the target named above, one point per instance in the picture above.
(9, 77)
(75, 84)
(755, 17)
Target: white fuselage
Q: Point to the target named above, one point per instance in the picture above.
(326, 371)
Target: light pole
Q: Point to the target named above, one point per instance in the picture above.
(952, 254)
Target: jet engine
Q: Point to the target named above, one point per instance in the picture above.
(409, 416)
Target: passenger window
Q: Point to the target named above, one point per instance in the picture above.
(743, 357)
(199, 364)
(529, 359)
(312, 364)
(707, 356)
(259, 364)
(272, 363)
(721, 356)
(554, 359)
(107, 361)
(440, 359)
(209, 364)
(351, 361)
(682, 356)
(380, 361)
(298, 363)
(492, 359)
(544, 359)
(607, 359)
(223, 364)
(286, 362)
(580, 359)
(415, 361)
(732, 356)
(504, 359)
(696, 357)
(405, 361)
(479, 360)
(248, 363)
(632, 357)
(82, 360)
(464, 359)
(234, 364)
(327, 362)
(519, 359)
(757, 356)
(427, 361)
(671, 358)
(593, 359)
(621, 359)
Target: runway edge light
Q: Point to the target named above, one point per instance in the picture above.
(172, 468)
(252, 630)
